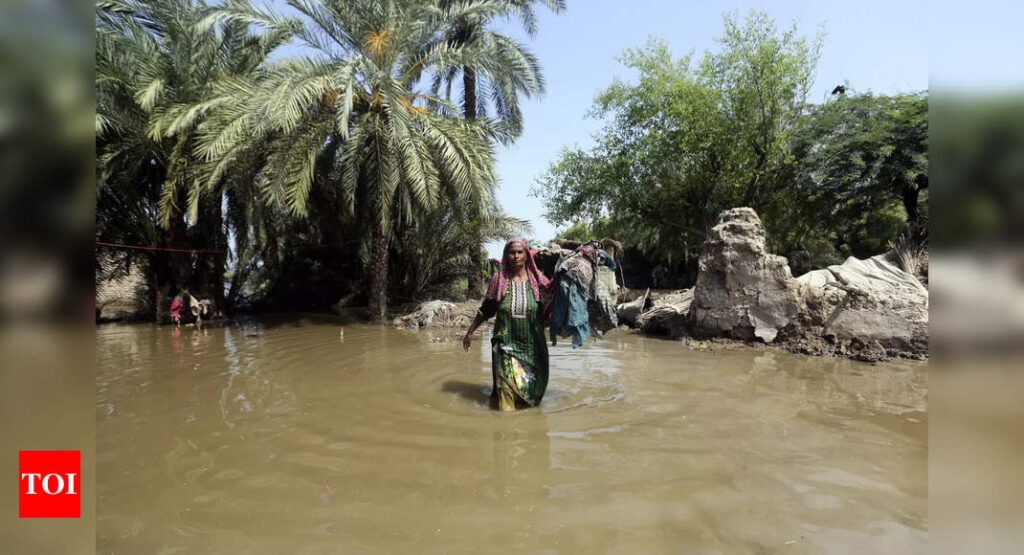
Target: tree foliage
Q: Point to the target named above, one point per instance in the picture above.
(686, 140)
(202, 136)
(860, 173)
(512, 71)
(156, 65)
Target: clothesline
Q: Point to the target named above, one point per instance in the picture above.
(144, 248)
(210, 251)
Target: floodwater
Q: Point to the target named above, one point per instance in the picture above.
(287, 437)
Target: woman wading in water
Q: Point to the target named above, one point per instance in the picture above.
(519, 352)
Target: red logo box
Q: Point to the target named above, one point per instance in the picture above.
(49, 484)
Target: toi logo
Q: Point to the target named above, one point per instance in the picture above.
(49, 484)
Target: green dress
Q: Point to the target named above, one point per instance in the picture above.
(519, 351)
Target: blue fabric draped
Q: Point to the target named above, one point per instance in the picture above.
(569, 313)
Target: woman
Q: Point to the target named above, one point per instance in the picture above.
(519, 352)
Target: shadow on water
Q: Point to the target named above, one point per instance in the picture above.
(470, 391)
(467, 390)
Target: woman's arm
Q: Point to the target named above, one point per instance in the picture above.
(487, 309)
(468, 339)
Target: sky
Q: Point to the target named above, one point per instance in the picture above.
(881, 46)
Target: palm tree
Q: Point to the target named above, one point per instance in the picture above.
(433, 250)
(353, 101)
(156, 61)
(510, 71)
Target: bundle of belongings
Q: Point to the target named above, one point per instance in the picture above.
(577, 286)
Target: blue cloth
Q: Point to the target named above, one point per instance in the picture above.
(608, 260)
(569, 314)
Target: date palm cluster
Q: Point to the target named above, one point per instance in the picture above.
(253, 131)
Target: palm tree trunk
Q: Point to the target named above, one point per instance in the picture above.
(217, 240)
(171, 269)
(177, 237)
(469, 92)
(160, 286)
(474, 274)
(219, 258)
(208, 276)
(377, 303)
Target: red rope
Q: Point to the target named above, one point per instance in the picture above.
(154, 248)
(212, 250)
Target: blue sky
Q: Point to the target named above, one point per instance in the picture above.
(880, 46)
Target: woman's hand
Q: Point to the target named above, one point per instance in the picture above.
(466, 341)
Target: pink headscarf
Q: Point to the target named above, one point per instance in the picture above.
(499, 283)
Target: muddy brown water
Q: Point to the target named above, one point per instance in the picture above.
(286, 437)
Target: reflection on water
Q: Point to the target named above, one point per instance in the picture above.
(288, 436)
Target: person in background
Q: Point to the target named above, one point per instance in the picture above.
(177, 304)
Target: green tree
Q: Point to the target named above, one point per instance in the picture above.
(510, 71)
(584, 231)
(393, 153)
(689, 140)
(155, 62)
(433, 250)
(861, 173)
(844, 177)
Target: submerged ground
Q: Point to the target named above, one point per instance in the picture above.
(285, 435)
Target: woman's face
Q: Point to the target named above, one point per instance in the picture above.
(516, 256)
